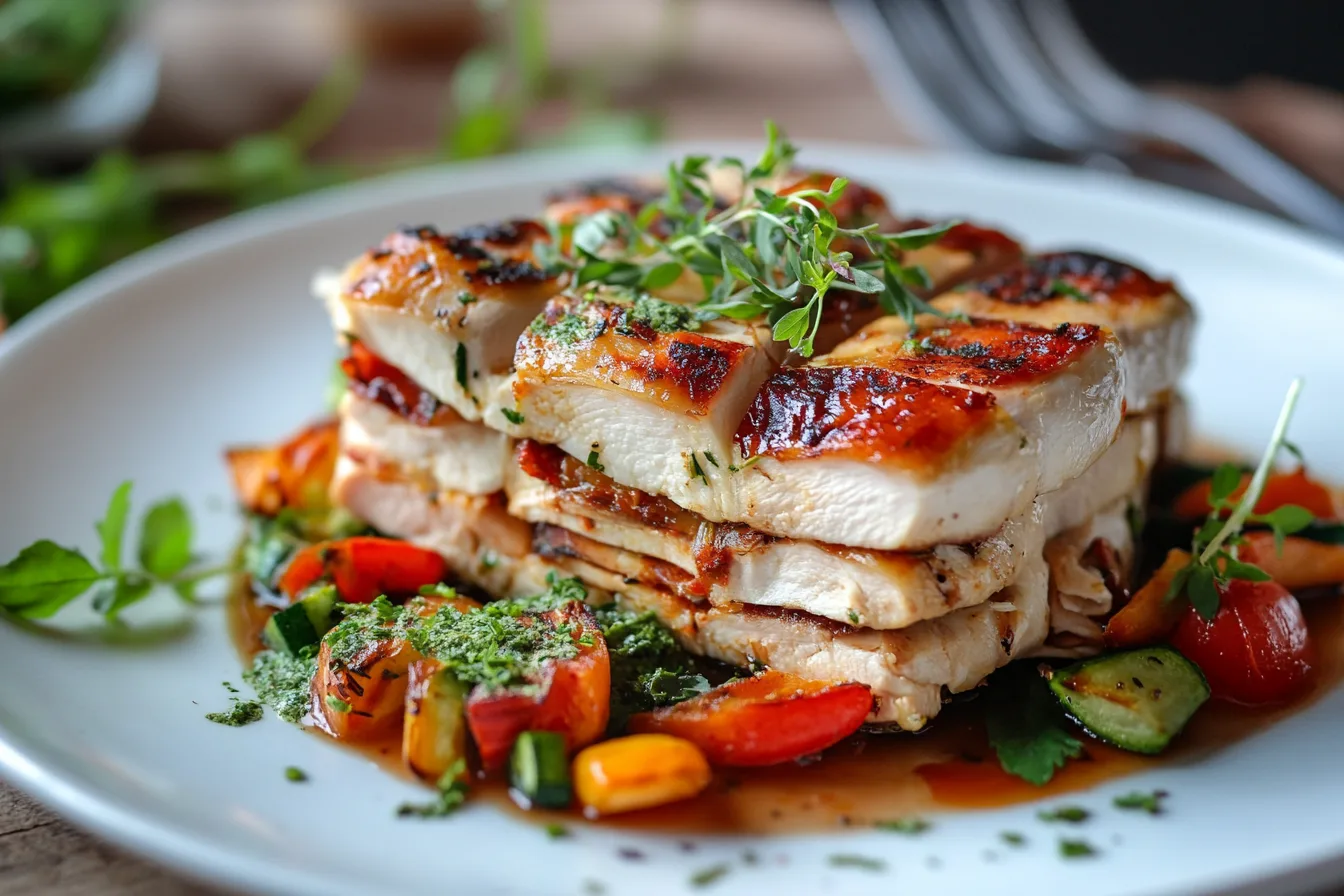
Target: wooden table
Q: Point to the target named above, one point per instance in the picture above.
(722, 87)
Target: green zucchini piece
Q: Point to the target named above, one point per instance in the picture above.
(1137, 700)
(302, 623)
(539, 770)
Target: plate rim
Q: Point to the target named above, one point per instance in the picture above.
(196, 857)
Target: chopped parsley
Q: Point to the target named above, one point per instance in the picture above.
(1013, 838)
(1065, 288)
(239, 713)
(853, 618)
(452, 794)
(282, 681)
(711, 875)
(648, 668)
(295, 774)
(663, 317)
(709, 456)
(1069, 814)
(337, 704)
(1076, 849)
(850, 860)
(593, 458)
(911, 826)
(556, 831)
(696, 471)
(466, 298)
(1144, 802)
(460, 366)
(512, 416)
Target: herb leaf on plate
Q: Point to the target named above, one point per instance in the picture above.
(1026, 726)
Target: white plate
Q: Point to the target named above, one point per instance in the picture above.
(146, 370)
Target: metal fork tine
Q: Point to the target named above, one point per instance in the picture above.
(1013, 64)
(944, 69)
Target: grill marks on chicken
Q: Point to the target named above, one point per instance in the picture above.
(1153, 322)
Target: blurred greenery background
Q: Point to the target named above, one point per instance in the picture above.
(61, 219)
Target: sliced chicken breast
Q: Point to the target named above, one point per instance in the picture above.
(455, 454)
(446, 309)
(1122, 470)
(908, 670)
(1063, 386)
(1153, 321)
(1090, 567)
(643, 390)
(641, 536)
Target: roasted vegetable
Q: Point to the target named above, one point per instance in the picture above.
(1281, 489)
(769, 718)
(1300, 563)
(1256, 650)
(569, 696)
(1149, 617)
(1137, 700)
(364, 567)
(364, 696)
(539, 770)
(434, 738)
(638, 772)
(294, 474)
(301, 624)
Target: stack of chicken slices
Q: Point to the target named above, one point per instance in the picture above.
(911, 507)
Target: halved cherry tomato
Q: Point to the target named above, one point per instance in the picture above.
(1256, 650)
(570, 697)
(364, 567)
(296, 473)
(1149, 617)
(1280, 489)
(769, 718)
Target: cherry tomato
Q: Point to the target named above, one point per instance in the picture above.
(1256, 650)
(364, 567)
(770, 718)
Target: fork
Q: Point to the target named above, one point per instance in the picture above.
(1025, 81)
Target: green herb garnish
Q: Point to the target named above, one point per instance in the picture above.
(1214, 560)
(1012, 838)
(1143, 802)
(512, 416)
(711, 875)
(45, 576)
(910, 826)
(556, 831)
(452, 794)
(1069, 814)
(239, 713)
(283, 681)
(774, 256)
(337, 704)
(295, 774)
(649, 668)
(850, 860)
(1076, 849)
(1026, 726)
(592, 459)
(1065, 288)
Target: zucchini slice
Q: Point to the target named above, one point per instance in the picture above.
(434, 738)
(1137, 700)
(539, 770)
(302, 623)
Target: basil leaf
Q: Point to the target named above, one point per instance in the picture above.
(112, 527)
(1225, 481)
(662, 275)
(1202, 588)
(1247, 572)
(44, 578)
(1026, 726)
(165, 538)
(111, 598)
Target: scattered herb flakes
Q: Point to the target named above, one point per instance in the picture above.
(512, 416)
(1144, 802)
(228, 686)
(711, 875)
(295, 774)
(556, 831)
(1013, 838)
(697, 471)
(239, 713)
(1068, 814)
(465, 297)
(282, 681)
(489, 559)
(452, 794)
(853, 618)
(749, 857)
(593, 458)
(911, 826)
(337, 704)
(851, 860)
(1076, 849)
(460, 366)
(1065, 288)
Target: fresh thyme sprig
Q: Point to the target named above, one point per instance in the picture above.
(767, 254)
(1214, 561)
